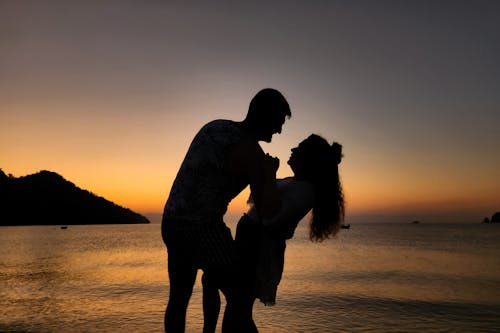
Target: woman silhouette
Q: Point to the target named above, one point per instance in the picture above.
(315, 185)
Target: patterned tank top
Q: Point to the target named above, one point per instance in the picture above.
(202, 189)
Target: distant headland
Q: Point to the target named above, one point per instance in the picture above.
(494, 219)
(46, 198)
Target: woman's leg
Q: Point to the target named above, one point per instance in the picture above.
(211, 304)
(238, 314)
(239, 302)
(182, 279)
(236, 283)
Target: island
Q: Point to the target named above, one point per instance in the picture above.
(46, 198)
(495, 218)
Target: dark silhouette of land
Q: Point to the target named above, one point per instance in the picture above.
(495, 218)
(47, 198)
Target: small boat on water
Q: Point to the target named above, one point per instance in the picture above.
(345, 226)
(64, 227)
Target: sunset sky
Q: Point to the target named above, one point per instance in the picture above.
(109, 94)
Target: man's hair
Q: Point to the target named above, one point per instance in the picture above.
(266, 104)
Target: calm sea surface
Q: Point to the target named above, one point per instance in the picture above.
(371, 278)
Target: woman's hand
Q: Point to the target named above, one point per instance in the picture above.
(270, 164)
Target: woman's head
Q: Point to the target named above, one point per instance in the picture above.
(316, 161)
(314, 157)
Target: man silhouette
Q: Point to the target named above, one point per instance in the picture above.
(223, 158)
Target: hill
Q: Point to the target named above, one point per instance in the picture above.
(47, 198)
(495, 218)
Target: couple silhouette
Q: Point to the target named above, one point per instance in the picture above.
(223, 158)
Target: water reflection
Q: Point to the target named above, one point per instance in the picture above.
(66, 280)
(114, 278)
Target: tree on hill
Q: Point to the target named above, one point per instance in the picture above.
(48, 198)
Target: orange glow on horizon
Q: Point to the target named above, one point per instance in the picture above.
(146, 192)
(136, 170)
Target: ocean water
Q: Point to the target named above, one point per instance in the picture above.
(370, 278)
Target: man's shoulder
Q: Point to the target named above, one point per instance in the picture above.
(227, 132)
(216, 130)
(219, 123)
(246, 150)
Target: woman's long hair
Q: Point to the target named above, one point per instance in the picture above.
(322, 162)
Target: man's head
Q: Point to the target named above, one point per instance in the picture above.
(266, 113)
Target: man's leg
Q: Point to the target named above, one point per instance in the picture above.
(182, 279)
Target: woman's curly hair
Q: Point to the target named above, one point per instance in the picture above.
(322, 160)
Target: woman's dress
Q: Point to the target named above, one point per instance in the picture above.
(263, 243)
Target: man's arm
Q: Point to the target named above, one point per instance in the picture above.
(248, 162)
